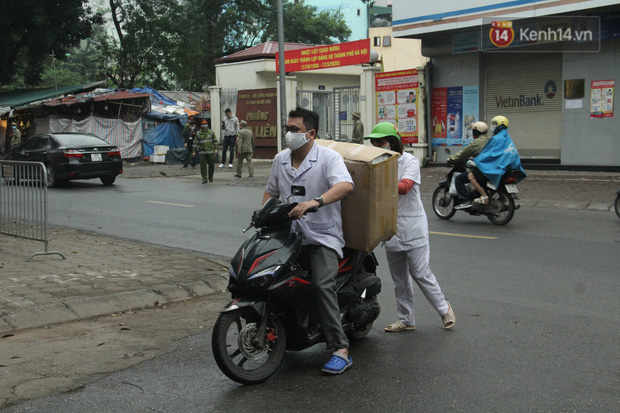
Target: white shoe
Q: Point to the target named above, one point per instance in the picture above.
(464, 205)
(230, 165)
(221, 165)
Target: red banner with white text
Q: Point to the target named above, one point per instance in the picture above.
(323, 57)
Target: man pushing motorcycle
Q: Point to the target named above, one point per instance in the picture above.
(323, 174)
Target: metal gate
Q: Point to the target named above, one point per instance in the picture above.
(228, 99)
(23, 202)
(321, 103)
(346, 100)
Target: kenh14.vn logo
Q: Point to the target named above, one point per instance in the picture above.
(501, 33)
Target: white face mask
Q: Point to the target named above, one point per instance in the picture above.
(295, 140)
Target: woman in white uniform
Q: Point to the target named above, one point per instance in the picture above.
(408, 251)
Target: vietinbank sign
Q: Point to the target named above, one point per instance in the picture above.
(324, 57)
(526, 101)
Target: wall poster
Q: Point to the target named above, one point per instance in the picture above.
(602, 99)
(453, 109)
(397, 101)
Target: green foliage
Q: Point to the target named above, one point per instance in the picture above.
(212, 29)
(160, 43)
(305, 24)
(32, 30)
(145, 36)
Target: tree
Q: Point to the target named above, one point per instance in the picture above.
(146, 34)
(305, 24)
(218, 28)
(31, 32)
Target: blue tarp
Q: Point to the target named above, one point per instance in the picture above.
(498, 157)
(156, 97)
(168, 133)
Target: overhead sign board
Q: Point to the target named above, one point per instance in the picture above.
(324, 57)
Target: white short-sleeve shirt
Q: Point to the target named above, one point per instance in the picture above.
(412, 225)
(321, 169)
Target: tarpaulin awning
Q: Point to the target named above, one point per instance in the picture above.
(87, 97)
(126, 135)
(22, 97)
(169, 134)
(156, 97)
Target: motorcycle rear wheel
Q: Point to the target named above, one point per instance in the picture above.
(508, 208)
(234, 345)
(617, 205)
(443, 203)
(359, 334)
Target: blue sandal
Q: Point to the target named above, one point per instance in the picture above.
(337, 364)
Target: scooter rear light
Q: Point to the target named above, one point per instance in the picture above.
(510, 179)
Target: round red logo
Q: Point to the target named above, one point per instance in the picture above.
(501, 33)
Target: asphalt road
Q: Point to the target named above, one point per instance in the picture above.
(178, 213)
(536, 304)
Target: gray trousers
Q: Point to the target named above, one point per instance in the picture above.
(407, 267)
(324, 264)
(248, 158)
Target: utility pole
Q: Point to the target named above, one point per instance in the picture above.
(54, 69)
(282, 74)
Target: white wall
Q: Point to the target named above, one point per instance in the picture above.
(259, 74)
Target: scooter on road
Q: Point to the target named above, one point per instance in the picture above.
(272, 310)
(500, 209)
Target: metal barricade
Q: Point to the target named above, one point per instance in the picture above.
(23, 202)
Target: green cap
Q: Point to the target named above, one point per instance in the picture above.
(382, 130)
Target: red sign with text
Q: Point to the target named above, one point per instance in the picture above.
(324, 57)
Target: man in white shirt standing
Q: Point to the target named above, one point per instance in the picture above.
(231, 130)
(326, 180)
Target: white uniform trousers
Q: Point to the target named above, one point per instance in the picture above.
(413, 265)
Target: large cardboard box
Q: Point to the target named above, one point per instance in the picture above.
(369, 213)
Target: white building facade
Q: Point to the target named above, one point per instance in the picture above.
(531, 61)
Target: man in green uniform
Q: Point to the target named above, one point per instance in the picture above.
(205, 143)
(358, 128)
(245, 149)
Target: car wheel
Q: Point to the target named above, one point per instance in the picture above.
(108, 180)
(52, 179)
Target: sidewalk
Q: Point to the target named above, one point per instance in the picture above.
(104, 275)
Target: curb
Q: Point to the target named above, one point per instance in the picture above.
(82, 309)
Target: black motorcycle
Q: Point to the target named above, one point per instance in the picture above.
(272, 308)
(499, 210)
(617, 204)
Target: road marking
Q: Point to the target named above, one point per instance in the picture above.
(168, 203)
(461, 235)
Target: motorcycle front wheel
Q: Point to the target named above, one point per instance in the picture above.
(235, 344)
(507, 208)
(443, 203)
(617, 205)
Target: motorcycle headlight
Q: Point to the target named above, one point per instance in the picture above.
(264, 278)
